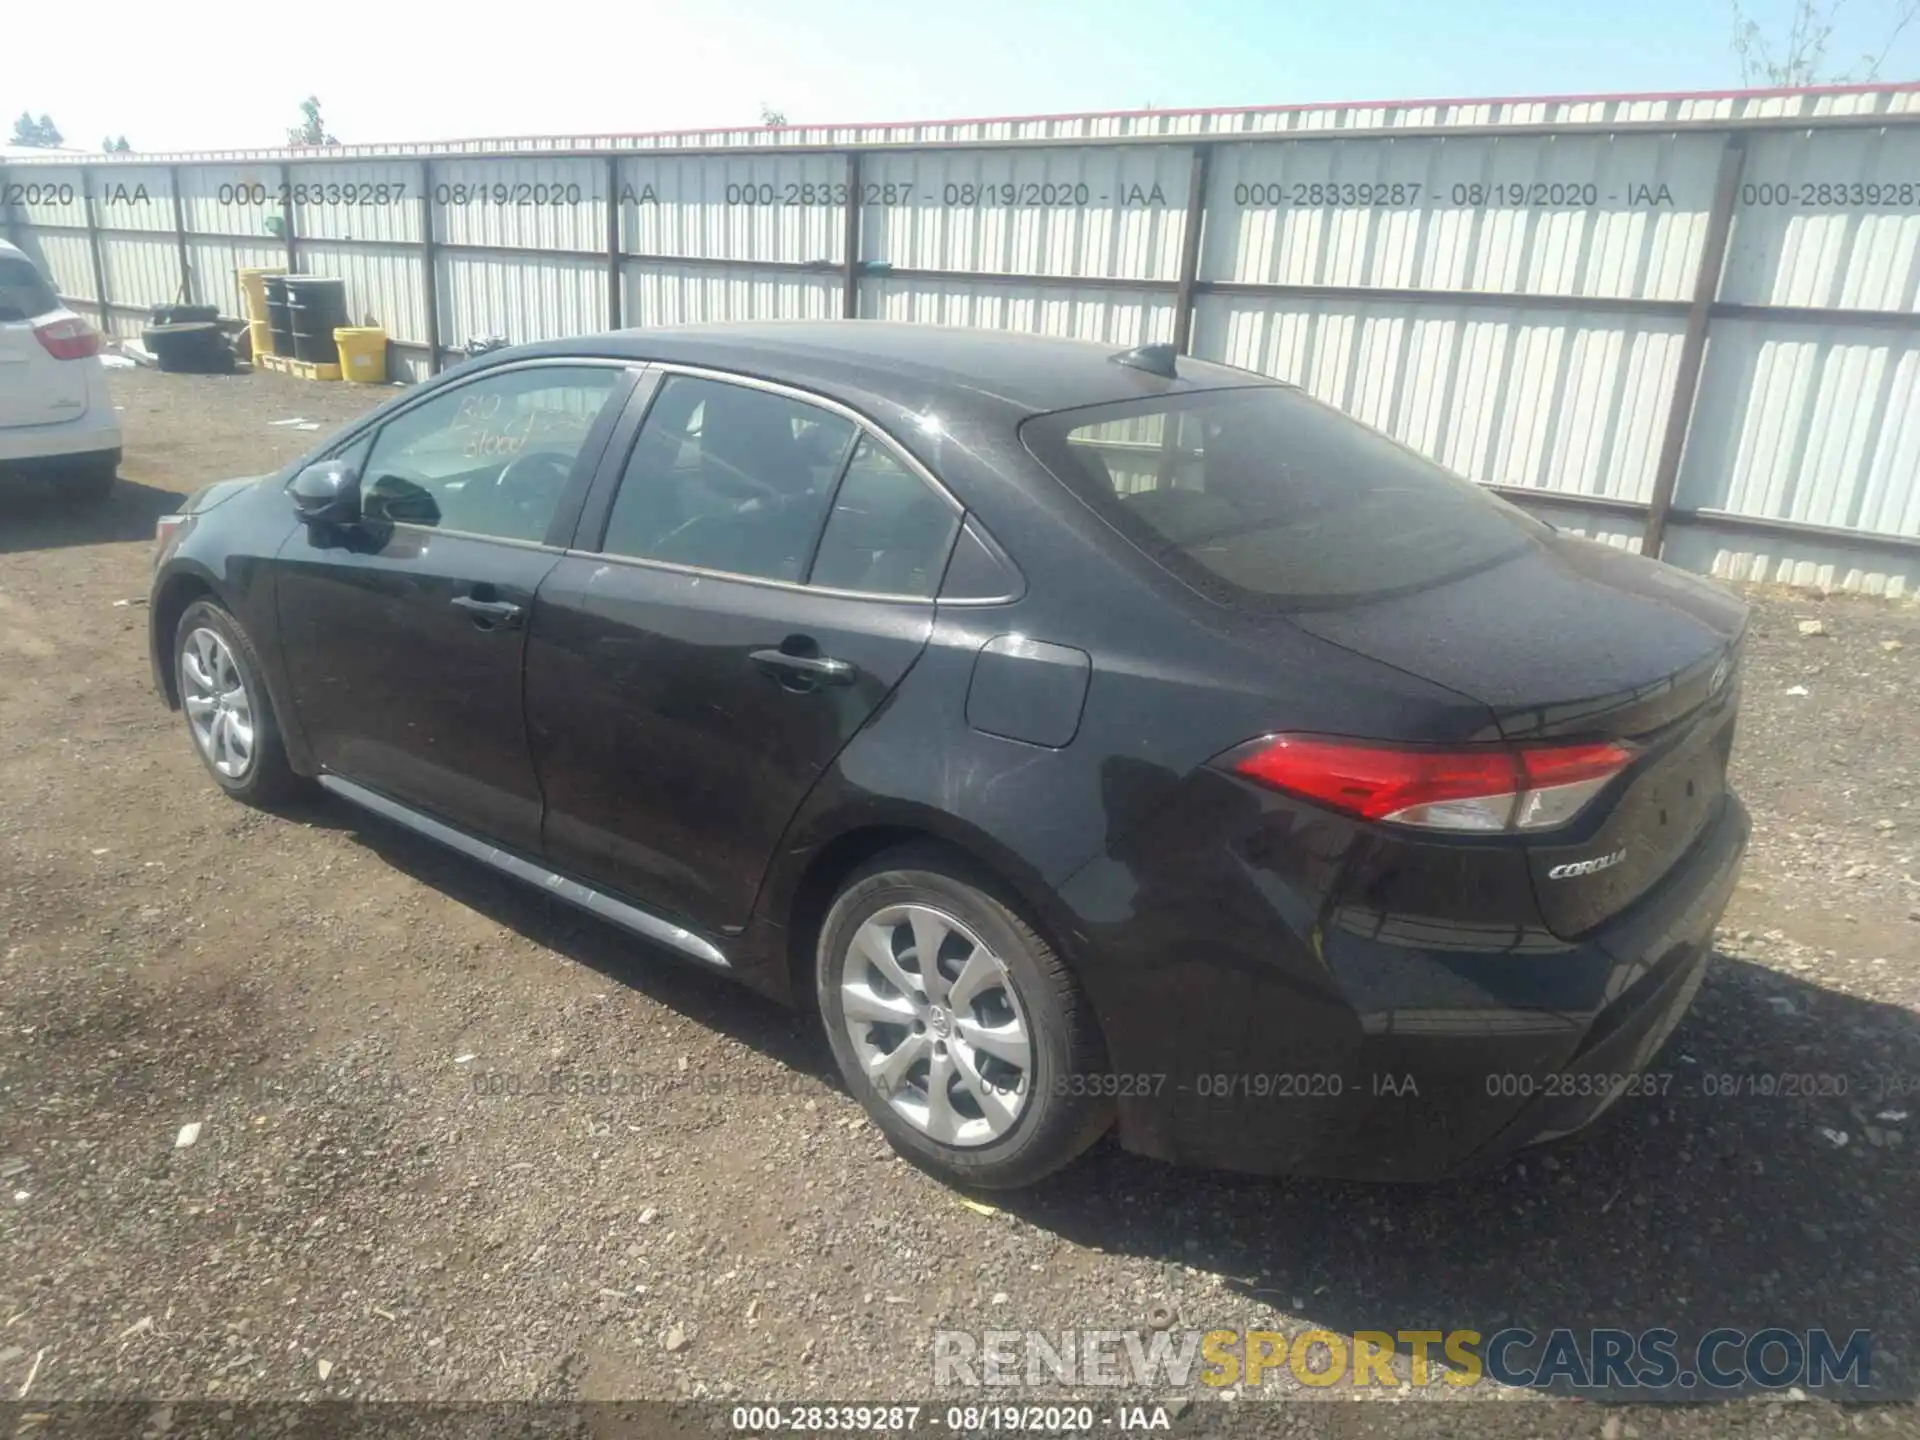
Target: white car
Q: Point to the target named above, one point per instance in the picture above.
(56, 418)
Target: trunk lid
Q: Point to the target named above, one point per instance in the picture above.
(35, 388)
(1569, 640)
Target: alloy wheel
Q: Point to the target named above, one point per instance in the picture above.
(219, 709)
(937, 1025)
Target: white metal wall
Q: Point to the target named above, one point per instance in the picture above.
(1114, 318)
(1512, 303)
(1539, 214)
(668, 294)
(738, 207)
(1112, 213)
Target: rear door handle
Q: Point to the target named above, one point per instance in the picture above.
(820, 669)
(490, 614)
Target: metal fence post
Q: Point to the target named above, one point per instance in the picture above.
(1693, 345)
(180, 236)
(616, 302)
(286, 220)
(850, 276)
(429, 269)
(94, 251)
(1201, 167)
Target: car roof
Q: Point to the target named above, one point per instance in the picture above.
(909, 364)
(9, 249)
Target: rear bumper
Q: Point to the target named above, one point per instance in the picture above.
(1350, 1055)
(26, 448)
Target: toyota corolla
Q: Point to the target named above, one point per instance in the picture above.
(1092, 738)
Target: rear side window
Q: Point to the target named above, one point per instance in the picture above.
(888, 533)
(727, 477)
(24, 292)
(1265, 498)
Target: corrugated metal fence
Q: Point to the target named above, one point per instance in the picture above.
(1689, 322)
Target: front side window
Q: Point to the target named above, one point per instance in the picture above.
(725, 477)
(491, 457)
(1265, 498)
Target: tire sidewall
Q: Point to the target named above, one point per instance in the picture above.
(204, 615)
(1035, 1133)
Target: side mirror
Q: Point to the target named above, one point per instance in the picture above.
(327, 493)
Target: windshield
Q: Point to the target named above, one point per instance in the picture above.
(1266, 498)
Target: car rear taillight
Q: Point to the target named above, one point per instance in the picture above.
(1482, 788)
(68, 338)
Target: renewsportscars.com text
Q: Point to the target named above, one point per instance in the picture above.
(1563, 1361)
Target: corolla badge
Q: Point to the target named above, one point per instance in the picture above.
(1574, 868)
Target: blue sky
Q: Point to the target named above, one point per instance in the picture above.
(410, 71)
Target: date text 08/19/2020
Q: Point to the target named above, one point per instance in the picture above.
(1311, 1085)
(903, 1419)
(1893, 192)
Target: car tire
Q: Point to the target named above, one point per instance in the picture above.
(90, 482)
(1001, 1125)
(238, 739)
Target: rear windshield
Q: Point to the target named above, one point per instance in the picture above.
(1265, 498)
(23, 294)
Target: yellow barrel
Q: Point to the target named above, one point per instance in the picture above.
(253, 293)
(260, 337)
(363, 353)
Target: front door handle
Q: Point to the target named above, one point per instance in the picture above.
(490, 614)
(819, 669)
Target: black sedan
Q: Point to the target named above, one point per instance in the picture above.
(1091, 737)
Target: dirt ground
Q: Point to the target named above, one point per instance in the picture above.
(363, 1216)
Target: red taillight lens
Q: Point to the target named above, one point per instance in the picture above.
(68, 338)
(1378, 783)
(1480, 789)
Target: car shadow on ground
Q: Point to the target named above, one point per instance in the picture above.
(36, 515)
(1729, 1201)
(1713, 1205)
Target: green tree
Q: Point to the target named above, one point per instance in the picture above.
(771, 118)
(115, 147)
(1797, 55)
(311, 130)
(41, 134)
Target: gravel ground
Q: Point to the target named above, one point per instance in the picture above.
(366, 1215)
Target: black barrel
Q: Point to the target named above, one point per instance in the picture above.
(279, 317)
(318, 305)
(193, 347)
